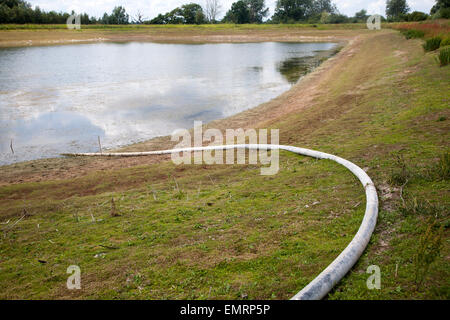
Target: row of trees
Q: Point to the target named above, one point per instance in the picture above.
(19, 11)
(242, 11)
(398, 10)
(255, 11)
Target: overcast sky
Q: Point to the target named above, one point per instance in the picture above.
(150, 8)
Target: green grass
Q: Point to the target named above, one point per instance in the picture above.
(445, 42)
(225, 232)
(444, 56)
(212, 218)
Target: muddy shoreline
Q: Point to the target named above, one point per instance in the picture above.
(24, 38)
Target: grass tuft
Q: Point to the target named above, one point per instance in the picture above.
(444, 56)
(432, 44)
(413, 34)
(443, 167)
(421, 207)
(445, 42)
(429, 249)
(400, 172)
(440, 171)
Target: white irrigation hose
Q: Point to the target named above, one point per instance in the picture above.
(323, 284)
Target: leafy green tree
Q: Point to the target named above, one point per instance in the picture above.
(416, 16)
(291, 10)
(192, 14)
(105, 19)
(119, 16)
(441, 9)
(319, 6)
(257, 10)
(200, 17)
(37, 16)
(361, 16)
(4, 10)
(160, 19)
(19, 11)
(440, 4)
(10, 3)
(338, 18)
(174, 17)
(396, 9)
(303, 10)
(239, 13)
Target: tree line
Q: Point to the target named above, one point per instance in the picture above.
(241, 11)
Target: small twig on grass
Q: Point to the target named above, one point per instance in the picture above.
(108, 247)
(357, 205)
(176, 183)
(12, 226)
(211, 180)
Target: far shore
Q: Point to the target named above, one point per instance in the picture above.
(190, 34)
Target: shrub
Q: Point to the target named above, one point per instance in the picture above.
(444, 13)
(443, 167)
(444, 56)
(416, 16)
(412, 206)
(413, 34)
(432, 44)
(445, 42)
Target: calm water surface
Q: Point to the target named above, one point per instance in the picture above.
(61, 98)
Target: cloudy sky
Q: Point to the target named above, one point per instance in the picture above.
(150, 8)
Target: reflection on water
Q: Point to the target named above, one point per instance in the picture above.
(59, 99)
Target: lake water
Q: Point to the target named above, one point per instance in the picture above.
(59, 99)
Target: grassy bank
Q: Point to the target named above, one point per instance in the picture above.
(225, 232)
